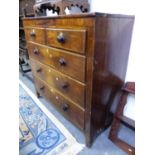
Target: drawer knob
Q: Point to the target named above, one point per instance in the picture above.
(32, 33)
(62, 62)
(61, 38)
(39, 70)
(64, 85)
(42, 88)
(65, 107)
(36, 51)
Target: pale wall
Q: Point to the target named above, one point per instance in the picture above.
(118, 7)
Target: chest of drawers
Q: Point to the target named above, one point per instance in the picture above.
(79, 63)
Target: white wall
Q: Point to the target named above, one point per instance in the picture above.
(119, 7)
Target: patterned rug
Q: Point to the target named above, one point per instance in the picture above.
(40, 133)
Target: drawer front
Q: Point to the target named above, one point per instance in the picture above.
(67, 63)
(73, 40)
(67, 86)
(35, 35)
(67, 108)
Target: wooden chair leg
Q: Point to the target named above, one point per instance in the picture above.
(114, 129)
(113, 135)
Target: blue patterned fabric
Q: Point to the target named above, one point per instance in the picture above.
(38, 134)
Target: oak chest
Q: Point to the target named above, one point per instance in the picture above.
(79, 63)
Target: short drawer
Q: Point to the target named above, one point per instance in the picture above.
(35, 35)
(67, 86)
(66, 107)
(66, 62)
(70, 39)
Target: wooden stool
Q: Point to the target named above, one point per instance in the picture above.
(119, 118)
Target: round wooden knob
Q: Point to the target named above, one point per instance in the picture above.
(65, 107)
(32, 34)
(36, 51)
(61, 38)
(39, 70)
(64, 85)
(42, 88)
(62, 62)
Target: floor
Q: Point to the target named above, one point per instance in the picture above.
(102, 145)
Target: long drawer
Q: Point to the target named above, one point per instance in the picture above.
(70, 39)
(66, 107)
(64, 84)
(66, 62)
